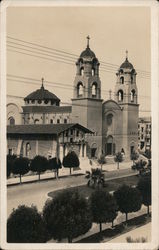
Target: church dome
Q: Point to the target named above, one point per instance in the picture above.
(87, 53)
(126, 65)
(42, 94)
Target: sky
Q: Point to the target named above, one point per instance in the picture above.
(112, 30)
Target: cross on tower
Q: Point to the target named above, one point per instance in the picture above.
(126, 54)
(110, 93)
(88, 38)
(42, 79)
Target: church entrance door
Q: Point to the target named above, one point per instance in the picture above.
(93, 152)
(109, 149)
(109, 146)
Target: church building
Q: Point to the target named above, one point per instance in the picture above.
(95, 126)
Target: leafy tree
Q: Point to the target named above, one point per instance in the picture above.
(55, 164)
(96, 178)
(71, 161)
(25, 225)
(144, 186)
(148, 153)
(67, 216)
(140, 165)
(103, 207)
(21, 166)
(128, 199)
(102, 160)
(39, 164)
(10, 162)
(134, 157)
(118, 158)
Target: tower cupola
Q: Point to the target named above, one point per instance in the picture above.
(126, 89)
(87, 64)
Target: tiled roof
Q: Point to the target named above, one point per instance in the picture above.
(52, 129)
(47, 109)
(41, 94)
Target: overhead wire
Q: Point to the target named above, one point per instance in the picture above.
(66, 54)
(50, 83)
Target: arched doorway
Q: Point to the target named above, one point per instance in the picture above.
(93, 150)
(109, 146)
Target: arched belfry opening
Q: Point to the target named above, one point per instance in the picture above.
(132, 95)
(94, 89)
(80, 89)
(120, 95)
(122, 80)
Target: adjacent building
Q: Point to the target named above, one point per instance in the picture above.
(144, 133)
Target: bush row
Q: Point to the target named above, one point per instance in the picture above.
(70, 215)
(39, 164)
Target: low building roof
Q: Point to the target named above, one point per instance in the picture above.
(47, 109)
(52, 129)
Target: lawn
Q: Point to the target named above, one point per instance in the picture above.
(111, 185)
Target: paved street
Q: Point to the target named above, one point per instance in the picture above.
(36, 193)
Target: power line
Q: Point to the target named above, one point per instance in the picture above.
(64, 52)
(49, 83)
(40, 57)
(93, 106)
(40, 53)
(62, 61)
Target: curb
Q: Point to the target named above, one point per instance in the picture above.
(41, 180)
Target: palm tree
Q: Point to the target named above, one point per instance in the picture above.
(96, 178)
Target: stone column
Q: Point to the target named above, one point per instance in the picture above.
(61, 152)
(85, 150)
(81, 150)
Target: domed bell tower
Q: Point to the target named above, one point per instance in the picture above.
(126, 95)
(87, 102)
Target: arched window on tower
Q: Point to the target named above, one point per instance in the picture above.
(132, 95)
(93, 72)
(11, 120)
(120, 95)
(122, 80)
(81, 71)
(131, 79)
(94, 89)
(80, 89)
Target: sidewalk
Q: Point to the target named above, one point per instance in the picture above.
(64, 172)
(143, 231)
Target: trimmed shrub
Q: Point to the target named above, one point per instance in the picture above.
(25, 225)
(67, 216)
(128, 199)
(71, 161)
(21, 166)
(39, 164)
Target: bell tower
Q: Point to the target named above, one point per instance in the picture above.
(126, 95)
(87, 102)
(87, 82)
